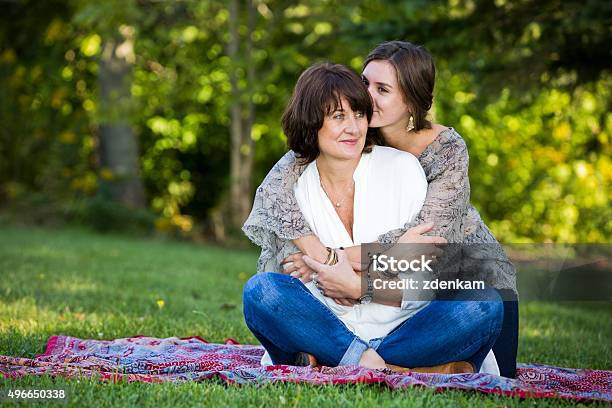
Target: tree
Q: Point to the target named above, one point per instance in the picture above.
(242, 112)
(119, 163)
(118, 148)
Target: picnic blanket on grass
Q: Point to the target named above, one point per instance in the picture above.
(149, 359)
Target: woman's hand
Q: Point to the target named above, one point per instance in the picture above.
(415, 235)
(295, 266)
(337, 281)
(413, 244)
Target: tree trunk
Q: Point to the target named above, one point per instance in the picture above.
(242, 112)
(118, 148)
(248, 119)
(235, 110)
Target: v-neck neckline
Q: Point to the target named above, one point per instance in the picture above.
(356, 202)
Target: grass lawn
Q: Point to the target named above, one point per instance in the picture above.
(78, 283)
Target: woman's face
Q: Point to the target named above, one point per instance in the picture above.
(390, 110)
(343, 133)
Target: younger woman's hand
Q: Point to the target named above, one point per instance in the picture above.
(295, 266)
(430, 246)
(415, 235)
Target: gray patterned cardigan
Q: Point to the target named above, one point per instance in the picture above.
(276, 220)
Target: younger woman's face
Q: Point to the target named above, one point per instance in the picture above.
(343, 133)
(390, 109)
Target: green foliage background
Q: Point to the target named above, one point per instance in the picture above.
(524, 82)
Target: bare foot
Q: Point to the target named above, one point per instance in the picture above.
(371, 359)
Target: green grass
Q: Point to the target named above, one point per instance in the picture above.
(77, 283)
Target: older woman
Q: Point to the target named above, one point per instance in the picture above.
(400, 77)
(349, 193)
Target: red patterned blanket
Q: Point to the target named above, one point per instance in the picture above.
(194, 359)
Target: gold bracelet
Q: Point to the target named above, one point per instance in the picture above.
(332, 257)
(329, 256)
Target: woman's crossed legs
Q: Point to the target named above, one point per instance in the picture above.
(286, 318)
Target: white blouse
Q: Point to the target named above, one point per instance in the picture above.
(390, 189)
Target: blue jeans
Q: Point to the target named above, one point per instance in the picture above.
(286, 318)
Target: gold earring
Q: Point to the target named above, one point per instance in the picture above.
(410, 126)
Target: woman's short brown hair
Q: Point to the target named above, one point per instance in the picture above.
(416, 74)
(318, 92)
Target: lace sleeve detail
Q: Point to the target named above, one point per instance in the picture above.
(276, 217)
(448, 193)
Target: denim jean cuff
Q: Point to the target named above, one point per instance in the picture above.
(374, 343)
(354, 352)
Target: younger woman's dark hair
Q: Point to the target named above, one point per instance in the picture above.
(416, 74)
(318, 93)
